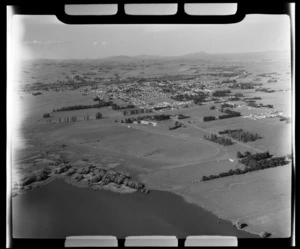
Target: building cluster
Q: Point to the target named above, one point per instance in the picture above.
(146, 122)
(153, 94)
(273, 114)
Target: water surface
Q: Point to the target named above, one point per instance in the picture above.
(59, 209)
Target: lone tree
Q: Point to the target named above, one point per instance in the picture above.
(98, 115)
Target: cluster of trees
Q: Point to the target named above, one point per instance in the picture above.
(221, 93)
(234, 99)
(253, 104)
(248, 157)
(117, 107)
(176, 125)
(287, 119)
(240, 155)
(181, 116)
(227, 105)
(136, 111)
(200, 97)
(229, 81)
(212, 107)
(229, 114)
(264, 90)
(238, 95)
(217, 139)
(98, 115)
(73, 119)
(209, 118)
(103, 176)
(241, 135)
(242, 86)
(161, 107)
(223, 174)
(80, 107)
(182, 97)
(158, 117)
(35, 177)
(262, 161)
(46, 115)
(67, 119)
(254, 98)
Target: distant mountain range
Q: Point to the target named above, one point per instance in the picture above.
(267, 55)
(199, 56)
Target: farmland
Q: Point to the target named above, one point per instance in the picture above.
(162, 158)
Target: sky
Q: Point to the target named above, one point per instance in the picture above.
(46, 37)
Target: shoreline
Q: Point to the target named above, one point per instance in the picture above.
(232, 221)
(109, 187)
(126, 190)
(216, 214)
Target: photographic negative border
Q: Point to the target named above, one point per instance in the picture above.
(243, 8)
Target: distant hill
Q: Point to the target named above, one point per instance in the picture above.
(199, 56)
(203, 56)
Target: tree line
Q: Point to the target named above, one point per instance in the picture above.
(241, 135)
(158, 117)
(221, 93)
(217, 139)
(230, 114)
(198, 99)
(182, 116)
(137, 111)
(80, 107)
(118, 107)
(209, 118)
(254, 162)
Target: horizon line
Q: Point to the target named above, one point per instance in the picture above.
(162, 56)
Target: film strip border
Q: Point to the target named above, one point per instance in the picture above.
(243, 8)
(147, 241)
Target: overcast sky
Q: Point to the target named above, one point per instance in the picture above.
(47, 37)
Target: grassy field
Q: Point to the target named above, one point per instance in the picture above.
(163, 159)
(261, 199)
